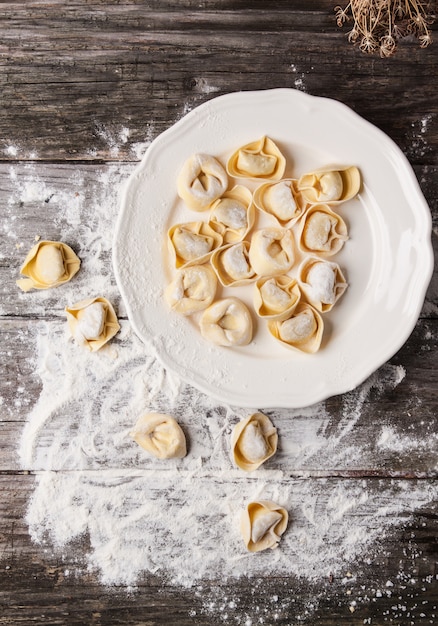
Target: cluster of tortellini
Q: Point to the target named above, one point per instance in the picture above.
(92, 322)
(253, 441)
(289, 262)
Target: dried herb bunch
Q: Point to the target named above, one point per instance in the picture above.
(379, 24)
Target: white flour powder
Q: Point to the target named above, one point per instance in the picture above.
(148, 515)
(181, 518)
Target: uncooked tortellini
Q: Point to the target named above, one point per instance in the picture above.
(227, 322)
(262, 524)
(231, 264)
(322, 282)
(254, 441)
(276, 296)
(271, 251)
(301, 331)
(202, 180)
(330, 185)
(92, 322)
(192, 289)
(272, 230)
(322, 231)
(160, 435)
(48, 264)
(192, 242)
(259, 159)
(233, 214)
(281, 200)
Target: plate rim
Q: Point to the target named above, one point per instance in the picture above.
(426, 231)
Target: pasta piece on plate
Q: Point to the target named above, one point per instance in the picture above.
(276, 297)
(259, 159)
(231, 264)
(330, 185)
(301, 331)
(227, 322)
(322, 231)
(192, 242)
(271, 251)
(233, 214)
(281, 200)
(192, 289)
(322, 282)
(201, 181)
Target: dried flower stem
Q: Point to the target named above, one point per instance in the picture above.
(379, 24)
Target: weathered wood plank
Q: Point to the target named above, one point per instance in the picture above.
(41, 585)
(387, 426)
(75, 72)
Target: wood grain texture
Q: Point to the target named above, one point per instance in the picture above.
(85, 87)
(40, 586)
(141, 66)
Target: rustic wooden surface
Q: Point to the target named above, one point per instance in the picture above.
(73, 77)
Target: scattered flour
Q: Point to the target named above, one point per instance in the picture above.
(144, 516)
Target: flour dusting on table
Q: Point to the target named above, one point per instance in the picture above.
(180, 519)
(146, 515)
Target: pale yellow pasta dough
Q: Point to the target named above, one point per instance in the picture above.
(322, 282)
(322, 231)
(193, 289)
(227, 322)
(48, 264)
(271, 251)
(160, 435)
(231, 264)
(276, 296)
(262, 525)
(201, 181)
(253, 441)
(92, 322)
(330, 185)
(192, 242)
(301, 331)
(259, 159)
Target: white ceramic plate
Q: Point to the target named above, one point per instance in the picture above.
(388, 259)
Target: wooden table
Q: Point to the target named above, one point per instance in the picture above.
(85, 86)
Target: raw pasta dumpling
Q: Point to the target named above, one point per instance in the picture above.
(92, 322)
(233, 214)
(262, 525)
(253, 441)
(192, 289)
(231, 264)
(160, 435)
(330, 185)
(322, 231)
(259, 159)
(192, 242)
(202, 180)
(322, 282)
(276, 296)
(280, 200)
(301, 331)
(227, 322)
(48, 264)
(271, 251)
